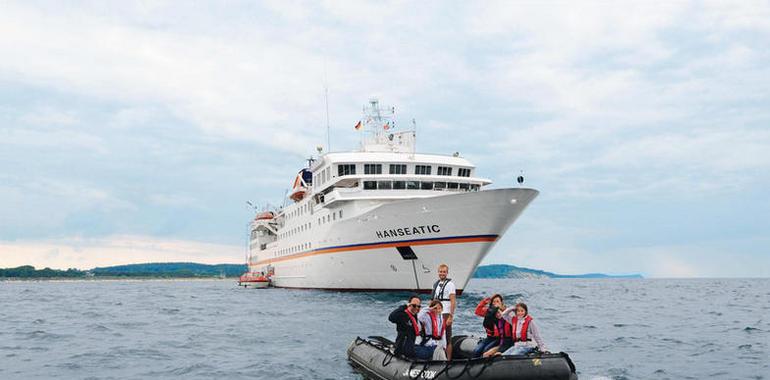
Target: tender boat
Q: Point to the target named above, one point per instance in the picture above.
(374, 358)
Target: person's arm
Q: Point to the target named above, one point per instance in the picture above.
(536, 336)
(481, 308)
(396, 316)
(422, 316)
(452, 304)
(507, 314)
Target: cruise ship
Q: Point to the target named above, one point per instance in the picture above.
(382, 217)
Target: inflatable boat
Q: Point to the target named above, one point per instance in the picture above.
(373, 357)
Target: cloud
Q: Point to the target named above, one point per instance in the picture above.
(130, 115)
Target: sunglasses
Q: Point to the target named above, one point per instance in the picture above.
(416, 306)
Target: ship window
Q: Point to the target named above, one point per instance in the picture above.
(422, 169)
(412, 185)
(399, 185)
(464, 186)
(370, 185)
(452, 185)
(444, 170)
(463, 172)
(426, 185)
(346, 169)
(439, 186)
(372, 168)
(384, 185)
(397, 169)
(340, 214)
(334, 216)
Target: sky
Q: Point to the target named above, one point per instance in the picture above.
(136, 131)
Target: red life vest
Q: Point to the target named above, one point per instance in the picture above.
(435, 326)
(493, 332)
(414, 321)
(524, 327)
(504, 329)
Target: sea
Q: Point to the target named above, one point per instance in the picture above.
(195, 329)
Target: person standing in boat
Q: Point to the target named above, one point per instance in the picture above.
(407, 330)
(524, 331)
(488, 308)
(444, 290)
(433, 333)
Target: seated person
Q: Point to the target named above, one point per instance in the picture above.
(505, 341)
(524, 331)
(433, 332)
(407, 329)
(488, 308)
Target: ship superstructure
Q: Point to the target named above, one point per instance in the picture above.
(383, 217)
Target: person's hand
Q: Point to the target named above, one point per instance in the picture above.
(449, 320)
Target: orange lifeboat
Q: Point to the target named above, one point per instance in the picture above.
(300, 185)
(253, 280)
(267, 215)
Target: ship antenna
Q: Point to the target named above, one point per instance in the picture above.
(414, 137)
(326, 100)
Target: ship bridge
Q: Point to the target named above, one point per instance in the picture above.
(391, 175)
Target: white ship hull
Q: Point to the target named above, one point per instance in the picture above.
(360, 252)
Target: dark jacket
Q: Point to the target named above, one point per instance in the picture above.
(405, 335)
(490, 320)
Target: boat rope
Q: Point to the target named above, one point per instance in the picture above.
(487, 362)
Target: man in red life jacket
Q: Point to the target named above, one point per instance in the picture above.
(445, 291)
(407, 329)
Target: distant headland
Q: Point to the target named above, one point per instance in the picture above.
(195, 270)
(512, 271)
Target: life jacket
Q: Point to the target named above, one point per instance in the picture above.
(524, 327)
(415, 325)
(437, 328)
(494, 332)
(440, 296)
(505, 330)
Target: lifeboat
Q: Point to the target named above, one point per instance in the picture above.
(300, 185)
(253, 280)
(265, 215)
(373, 357)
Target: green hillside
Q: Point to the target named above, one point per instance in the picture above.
(512, 271)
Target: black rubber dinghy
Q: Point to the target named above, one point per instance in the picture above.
(373, 357)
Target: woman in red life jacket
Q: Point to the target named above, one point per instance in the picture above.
(490, 323)
(433, 332)
(526, 336)
(506, 333)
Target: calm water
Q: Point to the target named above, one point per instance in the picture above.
(617, 329)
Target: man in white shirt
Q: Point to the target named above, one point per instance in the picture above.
(444, 290)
